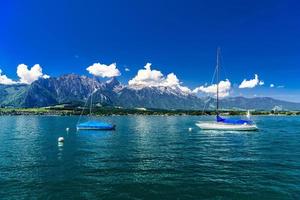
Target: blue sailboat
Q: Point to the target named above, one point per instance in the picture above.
(92, 124)
(223, 123)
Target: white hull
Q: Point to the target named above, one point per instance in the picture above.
(226, 127)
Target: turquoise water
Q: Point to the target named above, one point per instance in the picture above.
(148, 157)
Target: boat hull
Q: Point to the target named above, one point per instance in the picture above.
(97, 128)
(95, 125)
(226, 127)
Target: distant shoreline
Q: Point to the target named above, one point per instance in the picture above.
(48, 111)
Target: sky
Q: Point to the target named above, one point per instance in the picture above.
(39, 39)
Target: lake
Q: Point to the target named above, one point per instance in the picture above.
(148, 157)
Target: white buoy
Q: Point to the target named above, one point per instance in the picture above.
(190, 129)
(67, 129)
(61, 139)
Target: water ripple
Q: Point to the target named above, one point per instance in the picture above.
(148, 157)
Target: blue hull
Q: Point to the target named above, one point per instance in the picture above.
(95, 126)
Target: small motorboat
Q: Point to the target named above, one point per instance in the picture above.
(95, 125)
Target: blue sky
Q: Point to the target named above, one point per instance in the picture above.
(180, 37)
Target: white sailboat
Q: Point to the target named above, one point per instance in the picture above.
(223, 123)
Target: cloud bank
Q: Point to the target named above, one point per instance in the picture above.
(251, 83)
(104, 71)
(224, 89)
(153, 78)
(26, 76)
(145, 77)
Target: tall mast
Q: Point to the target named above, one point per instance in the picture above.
(217, 71)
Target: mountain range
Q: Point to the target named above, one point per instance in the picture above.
(75, 89)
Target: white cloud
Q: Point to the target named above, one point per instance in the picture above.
(127, 69)
(171, 80)
(224, 89)
(251, 83)
(147, 77)
(5, 80)
(102, 70)
(272, 85)
(280, 86)
(27, 76)
(154, 78)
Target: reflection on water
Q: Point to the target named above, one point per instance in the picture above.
(148, 157)
(60, 146)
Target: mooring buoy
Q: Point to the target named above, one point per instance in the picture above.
(60, 139)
